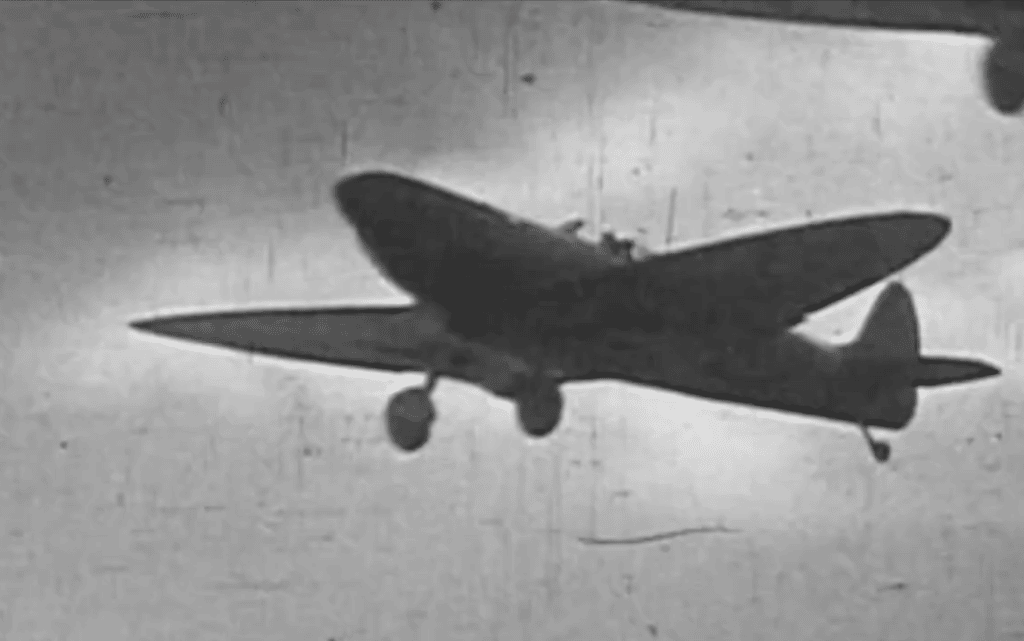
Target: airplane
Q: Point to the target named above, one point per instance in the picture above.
(519, 309)
(1000, 20)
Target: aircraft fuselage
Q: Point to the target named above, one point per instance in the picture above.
(785, 370)
(518, 309)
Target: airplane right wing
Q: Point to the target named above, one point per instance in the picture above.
(760, 283)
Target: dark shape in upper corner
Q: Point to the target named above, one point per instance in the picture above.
(1001, 21)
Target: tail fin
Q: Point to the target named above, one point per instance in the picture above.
(878, 361)
(889, 346)
(890, 332)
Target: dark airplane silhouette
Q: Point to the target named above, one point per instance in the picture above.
(519, 309)
(1001, 20)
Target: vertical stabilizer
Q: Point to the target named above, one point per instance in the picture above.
(883, 368)
(890, 332)
(881, 361)
(890, 336)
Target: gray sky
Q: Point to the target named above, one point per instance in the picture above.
(153, 490)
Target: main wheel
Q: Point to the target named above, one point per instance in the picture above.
(410, 414)
(539, 407)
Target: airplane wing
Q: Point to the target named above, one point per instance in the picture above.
(394, 339)
(762, 283)
(383, 338)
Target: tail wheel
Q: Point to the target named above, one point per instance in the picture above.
(539, 407)
(410, 414)
(880, 450)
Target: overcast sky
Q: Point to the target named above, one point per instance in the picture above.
(156, 162)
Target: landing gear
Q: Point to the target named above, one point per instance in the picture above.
(879, 449)
(539, 405)
(410, 414)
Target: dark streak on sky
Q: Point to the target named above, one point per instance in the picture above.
(652, 538)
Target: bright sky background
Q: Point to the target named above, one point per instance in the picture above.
(153, 490)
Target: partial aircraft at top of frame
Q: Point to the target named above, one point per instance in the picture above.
(1001, 20)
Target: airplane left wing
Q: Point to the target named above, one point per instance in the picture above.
(394, 339)
(383, 338)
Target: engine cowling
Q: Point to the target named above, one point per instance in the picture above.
(539, 405)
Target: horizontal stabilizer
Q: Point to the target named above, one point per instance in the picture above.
(931, 372)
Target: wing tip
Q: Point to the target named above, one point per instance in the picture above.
(922, 231)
